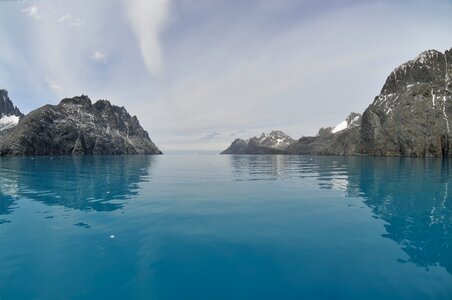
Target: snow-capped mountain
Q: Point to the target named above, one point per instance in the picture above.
(9, 114)
(275, 139)
(268, 143)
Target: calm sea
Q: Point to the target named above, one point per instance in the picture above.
(225, 227)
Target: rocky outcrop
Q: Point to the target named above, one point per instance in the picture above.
(276, 142)
(9, 114)
(78, 127)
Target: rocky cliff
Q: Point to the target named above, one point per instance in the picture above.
(411, 115)
(78, 127)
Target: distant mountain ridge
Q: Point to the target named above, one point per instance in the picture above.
(410, 116)
(76, 126)
(274, 142)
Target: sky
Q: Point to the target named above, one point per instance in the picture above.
(200, 73)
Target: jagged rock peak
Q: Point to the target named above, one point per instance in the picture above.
(277, 134)
(9, 114)
(430, 67)
(102, 104)
(275, 139)
(79, 100)
(7, 107)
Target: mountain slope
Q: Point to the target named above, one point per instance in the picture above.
(77, 127)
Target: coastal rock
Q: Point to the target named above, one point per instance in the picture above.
(78, 127)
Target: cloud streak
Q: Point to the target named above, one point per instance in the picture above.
(148, 19)
(32, 12)
(74, 21)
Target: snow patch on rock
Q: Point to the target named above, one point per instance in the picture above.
(7, 122)
(339, 127)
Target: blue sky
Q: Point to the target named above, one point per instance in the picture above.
(199, 73)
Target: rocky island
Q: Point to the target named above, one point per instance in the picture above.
(75, 126)
(410, 117)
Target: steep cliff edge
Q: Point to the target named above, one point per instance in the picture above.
(411, 115)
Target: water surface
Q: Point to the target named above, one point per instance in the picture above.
(225, 227)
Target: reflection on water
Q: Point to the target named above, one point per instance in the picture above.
(99, 183)
(411, 195)
(275, 227)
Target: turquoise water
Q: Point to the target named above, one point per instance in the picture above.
(225, 227)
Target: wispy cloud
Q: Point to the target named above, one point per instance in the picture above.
(53, 85)
(64, 18)
(99, 56)
(147, 19)
(32, 12)
(74, 21)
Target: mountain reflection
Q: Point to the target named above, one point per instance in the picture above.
(97, 183)
(411, 195)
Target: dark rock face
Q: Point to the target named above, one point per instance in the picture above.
(276, 142)
(78, 127)
(7, 107)
(410, 117)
